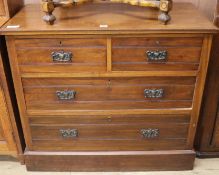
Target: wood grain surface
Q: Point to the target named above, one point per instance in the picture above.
(130, 54)
(107, 100)
(94, 94)
(88, 55)
(207, 138)
(85, 20)
(10, 140)
(110, 161)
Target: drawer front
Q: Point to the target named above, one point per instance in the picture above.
(150, 134)
(108, 119)
(148, 54)
(106, 94)
(61, 55)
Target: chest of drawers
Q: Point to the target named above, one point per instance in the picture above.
(118, 99)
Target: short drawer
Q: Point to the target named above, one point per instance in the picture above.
(107, 94)
(148, 54)
(61, 55)
(150, 134)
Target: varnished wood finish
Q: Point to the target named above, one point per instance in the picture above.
(1, 132)
(117, 17)
(112, 161)
(104, 119)
(2, 8)
(107, 133)
(207, 139)
(10, 137)
(88, 55)
(108, 94)
(129, 54)
(215, 140)
(8, 8)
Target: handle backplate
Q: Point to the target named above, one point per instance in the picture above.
(153, 93)
(69, 133)
(157, 55)
(62, 56)
(150, 133)
(66, 95)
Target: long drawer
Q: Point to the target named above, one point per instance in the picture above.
(61, 55)
(147, 54)
(107, 94)
(144, 133)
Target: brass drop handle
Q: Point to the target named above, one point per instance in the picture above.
(150, 133)
(69, 133)
(157, 55)
(61, 56)
(66, 95)
(154, 93)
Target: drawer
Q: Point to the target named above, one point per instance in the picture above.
(150, 54)
(151, 134)
(108, 94)
(61, 55)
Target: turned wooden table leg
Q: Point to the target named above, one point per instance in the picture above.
(165, 7)
(48, 7)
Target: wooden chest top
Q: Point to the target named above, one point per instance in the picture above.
(109, 19)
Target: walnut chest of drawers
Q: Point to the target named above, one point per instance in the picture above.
(121, 98)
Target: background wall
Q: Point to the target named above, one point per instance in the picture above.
(207, 6)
